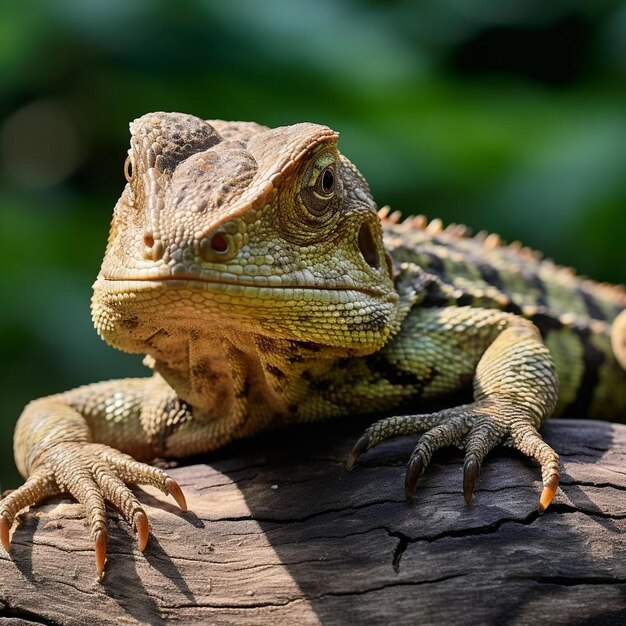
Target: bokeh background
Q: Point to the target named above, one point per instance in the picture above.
(507, 115)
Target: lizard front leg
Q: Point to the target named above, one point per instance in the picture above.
(76, 442)
(514, 385)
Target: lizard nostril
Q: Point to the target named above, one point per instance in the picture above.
(218, 247)
(219, 243)
(153, 248)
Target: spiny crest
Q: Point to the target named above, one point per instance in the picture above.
(387, 217)
(491, 241)
(435, 226)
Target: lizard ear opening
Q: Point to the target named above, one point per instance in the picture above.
(367, 246)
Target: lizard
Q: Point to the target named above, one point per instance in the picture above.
(252, 267)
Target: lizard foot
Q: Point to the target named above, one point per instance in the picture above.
(477, 428)
(92, 473)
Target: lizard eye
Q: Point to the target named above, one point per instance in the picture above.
(320, 185)
(128, 169)
(325, 183)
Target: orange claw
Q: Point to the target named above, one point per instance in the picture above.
(4, 532)
(176, 492)
(142, 528)
(101, 552)
(547, 494)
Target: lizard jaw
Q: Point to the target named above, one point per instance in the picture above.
(127, 312)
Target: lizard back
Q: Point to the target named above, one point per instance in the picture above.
(573, 313)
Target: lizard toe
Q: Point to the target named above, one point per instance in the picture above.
(483, 436)
(393, 427)
(120, 496)
(450, 433)
(525, 438)
(39, 486)
(136, 473)
(75, 470)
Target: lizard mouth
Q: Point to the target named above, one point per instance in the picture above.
(244, 285)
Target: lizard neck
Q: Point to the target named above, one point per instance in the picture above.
(240, 376)
(225, 374)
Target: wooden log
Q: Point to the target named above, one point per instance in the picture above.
(281, 533)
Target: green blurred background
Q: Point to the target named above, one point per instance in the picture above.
(505, 115)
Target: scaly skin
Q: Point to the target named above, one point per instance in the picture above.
(248, 265)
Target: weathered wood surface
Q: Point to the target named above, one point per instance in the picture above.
(282, 534)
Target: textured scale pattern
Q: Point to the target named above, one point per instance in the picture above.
(575, 315)
(253, 269)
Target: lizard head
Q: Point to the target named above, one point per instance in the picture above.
(237, 227)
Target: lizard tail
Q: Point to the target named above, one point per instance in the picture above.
(618, 338)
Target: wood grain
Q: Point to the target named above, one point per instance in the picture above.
(281, 533)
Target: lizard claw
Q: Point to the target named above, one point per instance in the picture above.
(414, 471)
(93, 474)
(359, 447)
(470, 474)
(549, 490)
(142, 528)
(174, 490)
(5, 526)
(101, 552)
